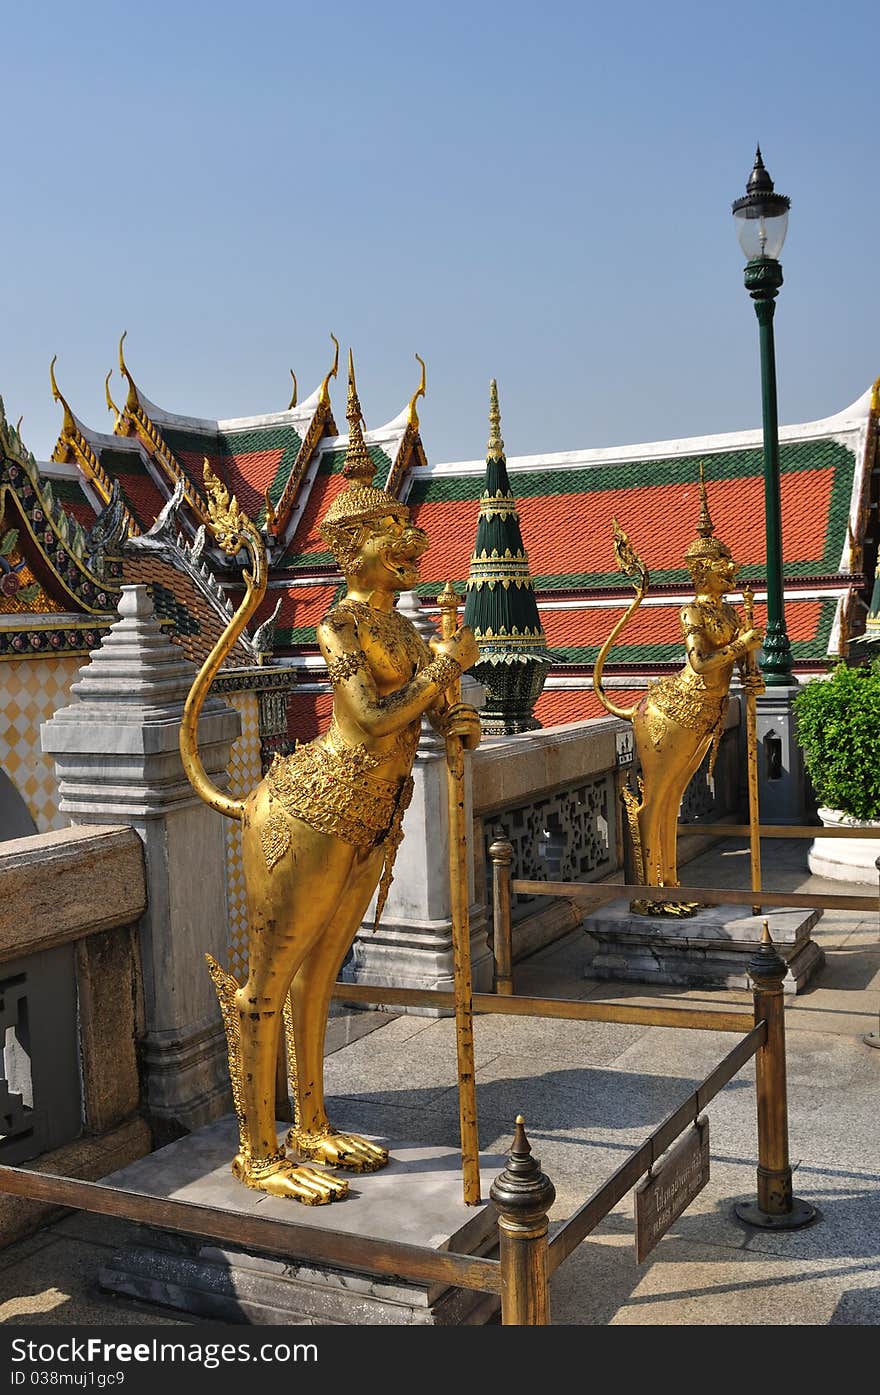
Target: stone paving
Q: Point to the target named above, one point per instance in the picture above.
(590, 1093)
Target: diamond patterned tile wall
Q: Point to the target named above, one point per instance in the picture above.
(30, 691)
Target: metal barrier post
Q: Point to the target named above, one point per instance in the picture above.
(775, 1208)
(523, 1196)
(501, 853)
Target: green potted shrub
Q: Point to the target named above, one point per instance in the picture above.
(838, 729)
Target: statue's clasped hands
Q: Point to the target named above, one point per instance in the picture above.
(751, 639)
(459, 718)
(747, 641)
(463, 721)
(750, 675)
(462, 647)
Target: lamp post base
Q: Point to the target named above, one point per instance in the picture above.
(782, 786)
(801, 1214)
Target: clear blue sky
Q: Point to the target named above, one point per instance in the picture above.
(539, 193)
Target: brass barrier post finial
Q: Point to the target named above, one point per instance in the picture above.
(523, 1195)
(501, 853)
(776, 1208)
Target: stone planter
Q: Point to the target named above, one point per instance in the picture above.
(844, 859)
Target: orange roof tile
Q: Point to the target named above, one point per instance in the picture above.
(247, 476)
(324, 490)
(558, 705)
(571, 533)
(658, 624)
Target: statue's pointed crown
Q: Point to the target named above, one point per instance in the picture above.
(360, 500)
(705, 546)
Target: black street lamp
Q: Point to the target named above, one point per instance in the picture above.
(761, 224)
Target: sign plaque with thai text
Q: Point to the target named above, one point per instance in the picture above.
(624, 746)
(672, 1186)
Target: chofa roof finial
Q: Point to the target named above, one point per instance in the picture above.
(324, 393)
(412, 415)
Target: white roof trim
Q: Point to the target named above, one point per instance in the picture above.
(301, 414)
(792, 593)
(391, 432)
(851, 419)
(54, 470)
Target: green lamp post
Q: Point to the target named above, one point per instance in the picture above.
(761, 224)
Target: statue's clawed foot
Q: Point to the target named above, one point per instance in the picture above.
(346, 1150)
(279, 1177)
(679, 909)
(674, 909)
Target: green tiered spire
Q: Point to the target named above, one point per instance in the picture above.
(500, 606)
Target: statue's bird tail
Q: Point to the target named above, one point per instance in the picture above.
(232, 530)
(630, 563)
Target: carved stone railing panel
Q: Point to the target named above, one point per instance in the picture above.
(705, 798)
(567, 836)
(40, 1103)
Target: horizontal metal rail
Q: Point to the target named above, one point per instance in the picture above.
(712, 896)
(295, 1241)
(588, 1216)
(779, 830)
(573, 1009)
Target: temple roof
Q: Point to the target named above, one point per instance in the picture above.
(565, 501)
(55, 592)
(305, 550)
(294, 457)
(190, 602)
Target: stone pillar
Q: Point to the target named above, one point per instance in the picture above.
(118, 762)
(412, 947)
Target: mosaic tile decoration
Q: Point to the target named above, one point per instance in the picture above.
(31, 690)
(244, 774)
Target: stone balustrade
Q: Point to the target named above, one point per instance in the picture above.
(555, 795)
(70, 1007)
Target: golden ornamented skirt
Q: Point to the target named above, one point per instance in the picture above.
(335, 792)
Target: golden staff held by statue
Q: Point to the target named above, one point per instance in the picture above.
(679, 718)
(321, 830)
(461, 930)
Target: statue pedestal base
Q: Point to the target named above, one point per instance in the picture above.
(417, 1199)
(708, 950)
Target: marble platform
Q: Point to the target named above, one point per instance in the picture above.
(416, 1199)
(708, 950)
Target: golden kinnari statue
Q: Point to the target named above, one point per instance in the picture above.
(681, 717)
(321, 829)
